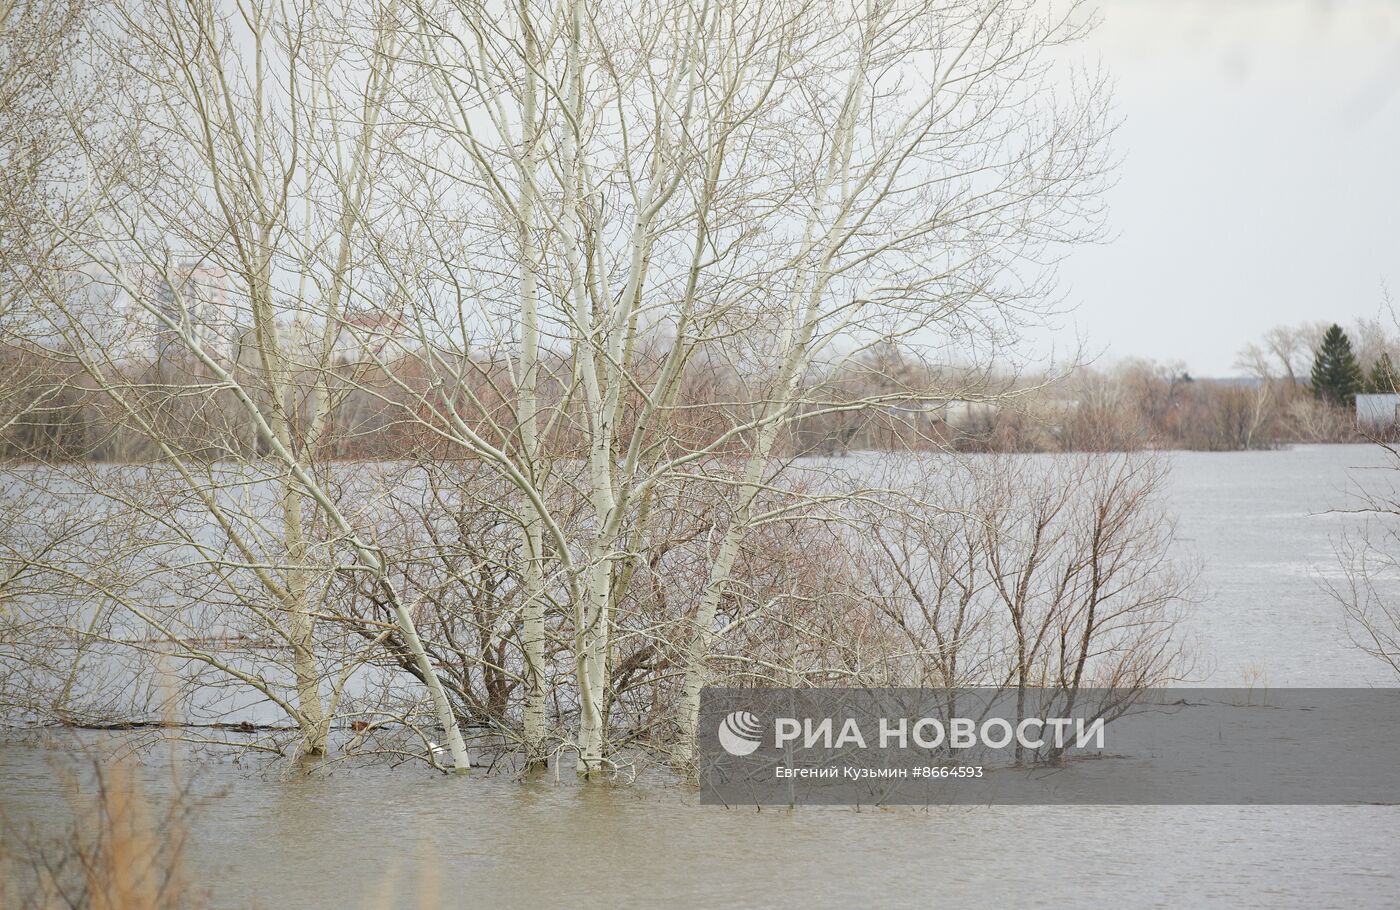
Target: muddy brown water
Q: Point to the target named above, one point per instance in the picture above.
(376, 837)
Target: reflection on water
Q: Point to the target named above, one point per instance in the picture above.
(1253, 519)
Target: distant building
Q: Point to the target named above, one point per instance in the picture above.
(1377, 412)
(961, 413)
(195, 297)
(955, 412)
(123, 327)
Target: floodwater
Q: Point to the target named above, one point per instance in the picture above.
(1257, 522)
(1263, 526)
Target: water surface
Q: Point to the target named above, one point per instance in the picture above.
(1257, 521)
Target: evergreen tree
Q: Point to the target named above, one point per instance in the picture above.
(1383, 377)
(1336, 374)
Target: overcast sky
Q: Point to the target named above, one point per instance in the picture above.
(1260, 181)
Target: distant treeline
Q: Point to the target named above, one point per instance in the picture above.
(53, 409)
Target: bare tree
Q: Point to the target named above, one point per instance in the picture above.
(1366, 555)
(1014, 572)
(1283, 353)
(609, 257)
(196, 239)
(676, 182)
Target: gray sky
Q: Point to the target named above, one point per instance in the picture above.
(1260, 181)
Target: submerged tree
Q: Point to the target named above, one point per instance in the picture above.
(1336, 374)
(771, 188)
(605, 254)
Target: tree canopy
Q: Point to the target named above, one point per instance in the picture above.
(1336, 373)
